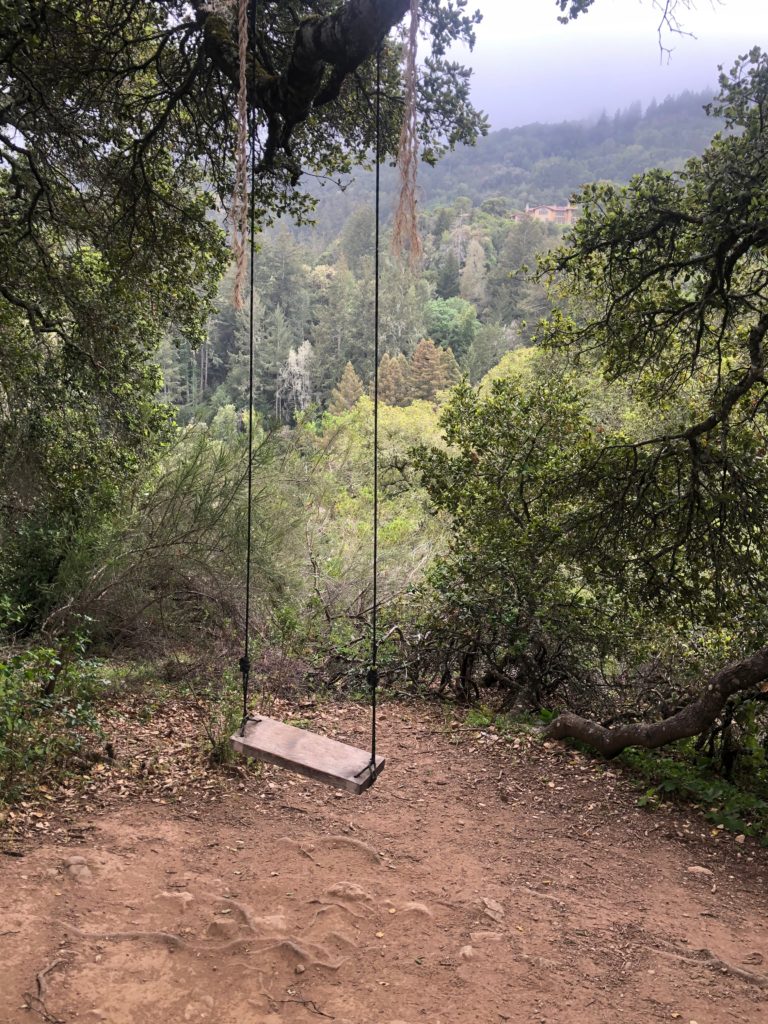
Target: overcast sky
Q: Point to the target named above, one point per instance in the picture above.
(528, 67)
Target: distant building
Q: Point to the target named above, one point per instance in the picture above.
(552, 214)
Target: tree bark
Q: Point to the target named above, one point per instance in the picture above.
(337, 43)
(690, 721)
(341, 41)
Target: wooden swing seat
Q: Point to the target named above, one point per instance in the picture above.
(318, 757)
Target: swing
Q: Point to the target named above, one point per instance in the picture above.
(265, 739)
(318, 757)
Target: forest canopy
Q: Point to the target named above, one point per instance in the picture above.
(117, 139)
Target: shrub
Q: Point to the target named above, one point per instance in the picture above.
(48, 721)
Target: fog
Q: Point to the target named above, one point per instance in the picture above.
(528, 67)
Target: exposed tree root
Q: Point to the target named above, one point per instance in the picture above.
(356, 844)
(326, 905)
(309, 1004)
(303, 952)
(173, 941)
(706, 958)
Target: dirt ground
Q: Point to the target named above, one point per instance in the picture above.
(483, 880)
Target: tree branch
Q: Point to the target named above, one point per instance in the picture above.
(340, 42)
(690, 721)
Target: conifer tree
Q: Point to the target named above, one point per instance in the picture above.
(450, 368)
(490, 344)
(473, 276)
(347, 391)
(448, 280)
(431, 369)
(393, 379)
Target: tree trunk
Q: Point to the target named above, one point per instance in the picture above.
(690, 721)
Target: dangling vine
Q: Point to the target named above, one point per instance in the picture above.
(405, 232)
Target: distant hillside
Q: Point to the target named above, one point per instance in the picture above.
(543, 163)
(546, 163)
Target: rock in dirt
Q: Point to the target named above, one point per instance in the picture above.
(697, 869)
(467, 953)
(416, 908)
(480, 937)
(176, 900)
(222, 929)
(493, 909)
(348, 891)
(199, 1009)
(270, 923)
(78, 870)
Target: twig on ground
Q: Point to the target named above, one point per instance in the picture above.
(310, 1004)
(37, 1002)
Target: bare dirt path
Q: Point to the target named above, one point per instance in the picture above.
(481, 881)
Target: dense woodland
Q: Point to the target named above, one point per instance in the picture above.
(573, 485)
(473, 294)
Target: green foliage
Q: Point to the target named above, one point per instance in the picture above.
(608, 501)
(48, 716)
(479, 718)
(666, 291)
(111, 191)
(485, 717)
(684, 774)
(338, 498)
(511, 593)
(452, 323)
(347, 391)
(316, 287)
(98, 264)
(166, 573)
(219, 704)
(447, 284)
(542, 163)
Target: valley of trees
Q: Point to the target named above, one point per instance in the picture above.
(573, 449)
(472, 295)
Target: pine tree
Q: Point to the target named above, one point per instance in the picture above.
(473, 276)
(339, 331)
(450, 369)
(448, 280)
(393, 379)
(490, 344)
(347, 391)
(431, 369)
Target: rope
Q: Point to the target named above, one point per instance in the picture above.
(245, 661)
(373, 671)
(240, 196)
